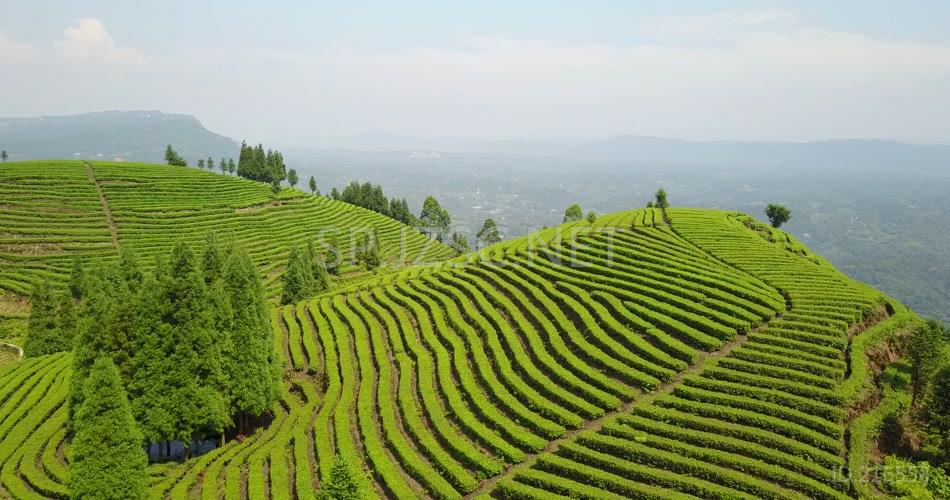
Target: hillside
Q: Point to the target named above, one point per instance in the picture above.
(110, 135)
(682, 354)
(55, 211)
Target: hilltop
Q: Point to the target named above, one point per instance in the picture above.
(112, 135)
(661, 353)
(54, 212)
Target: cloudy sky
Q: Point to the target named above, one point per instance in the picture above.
(308, 73)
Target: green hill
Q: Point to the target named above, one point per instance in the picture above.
(661, 354)
(55, 211)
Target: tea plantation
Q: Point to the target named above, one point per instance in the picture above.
(678, 353)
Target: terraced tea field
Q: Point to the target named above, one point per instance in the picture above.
(54, 211)
(651, 355)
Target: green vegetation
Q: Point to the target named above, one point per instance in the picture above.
(257, 165)
(107, 458)
(173, 158)
(488, 233)
(573, 213)
(777, 214)
(716, 358)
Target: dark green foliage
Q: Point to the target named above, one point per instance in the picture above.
(367, 196)
(77, 279)
(661, 201)
(777, 214)
(591, 217)
(210, 163)
(178, 365)
(129, 269)
(298, 278)
(434, 220)
(335, 194)
(334, 261)
(924, 351)
(223, 165)
(292, 178)
(173, 158)
(231, 166)
(650, 204)
(573, 213)
(201, 163)
(489, 232)
(313, 186)
(399, 210)
(367, 251)
(3, 155)
(343, 483)
(44, 335)
(936, 413)
(459, 243)
(251, 360)
(107, 461)
(321, 278)
(256, 164)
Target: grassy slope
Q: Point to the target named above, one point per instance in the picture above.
(629, 358)
(53, 211)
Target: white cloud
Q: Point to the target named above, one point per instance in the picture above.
(13, 51)
(89, 42)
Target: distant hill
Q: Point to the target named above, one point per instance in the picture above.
(849, 153)
(110, 135)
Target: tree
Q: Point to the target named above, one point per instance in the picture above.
(201, 163)
(650, 204)
(591, 217)
(343, 483)
(335, 194)
(77, 279)
(3, 155)
(173, 158)
(43, 335)
(661, 199)
(321, 279)
(256, 164)
(292, 177)
(777, 214)
(368, 251)
(937, 412)
(399, 210)
(459, 243)
(223, 166)
(488, 233)
(298, 279)
(251, 360)
(923, 351)
(573, 213)
(107, 461)
(231, 167)
(210, 163)
(178, 385)
(434, 219)
(313, 186)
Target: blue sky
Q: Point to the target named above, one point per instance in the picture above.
(315, 72)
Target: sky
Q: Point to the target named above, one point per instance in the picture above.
(320, 73)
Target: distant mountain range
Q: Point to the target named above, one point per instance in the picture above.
(108, 135)
(143, 135)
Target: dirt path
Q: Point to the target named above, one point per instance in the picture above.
(105, 204)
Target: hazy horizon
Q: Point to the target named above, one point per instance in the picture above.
(318, 74)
